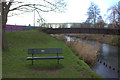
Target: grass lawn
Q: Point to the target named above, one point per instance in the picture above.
(15, 64)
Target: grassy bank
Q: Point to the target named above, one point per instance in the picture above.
(15, 64)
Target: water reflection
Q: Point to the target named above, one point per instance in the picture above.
(108, 56)
(104, 71)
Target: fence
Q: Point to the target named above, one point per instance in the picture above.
(12, 28)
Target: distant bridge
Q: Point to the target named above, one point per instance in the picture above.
(82, 30)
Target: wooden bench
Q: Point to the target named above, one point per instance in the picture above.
(33, 51)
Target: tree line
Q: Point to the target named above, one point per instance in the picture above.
(93, 13)
(94, 16)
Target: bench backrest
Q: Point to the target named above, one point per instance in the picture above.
(44, 50)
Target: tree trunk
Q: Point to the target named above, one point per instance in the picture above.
(4, 41)
(4, 21)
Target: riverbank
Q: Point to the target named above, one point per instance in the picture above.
(15, 65)
(84, 50)
(108, 39)
(107, 62)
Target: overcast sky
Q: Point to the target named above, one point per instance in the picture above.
(76, 12)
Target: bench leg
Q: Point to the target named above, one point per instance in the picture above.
(32, 62)
(58, 61)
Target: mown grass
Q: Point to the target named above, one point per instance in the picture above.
(15, 65)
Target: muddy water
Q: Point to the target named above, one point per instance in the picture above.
(107, 63)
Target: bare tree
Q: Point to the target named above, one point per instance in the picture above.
(41, 22)
(113, 16)
(42, 6)
(93, 13)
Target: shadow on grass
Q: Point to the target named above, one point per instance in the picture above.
(45, 67)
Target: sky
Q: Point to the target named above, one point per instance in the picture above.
(76, 12)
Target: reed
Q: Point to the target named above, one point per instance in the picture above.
(85, 51)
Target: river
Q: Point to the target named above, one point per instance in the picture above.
(107, 63)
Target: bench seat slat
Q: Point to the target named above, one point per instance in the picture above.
(37, 58)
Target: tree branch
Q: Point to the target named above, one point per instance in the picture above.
(117, 11)
(32, 6)
(42, 9)
(19, 7)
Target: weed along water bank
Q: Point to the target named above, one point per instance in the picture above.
(101, 57)
(83, 49)
(113, 40)
(15, 64)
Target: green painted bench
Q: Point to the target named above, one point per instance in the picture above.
(33, 51)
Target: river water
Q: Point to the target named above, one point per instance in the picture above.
(107, 63)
